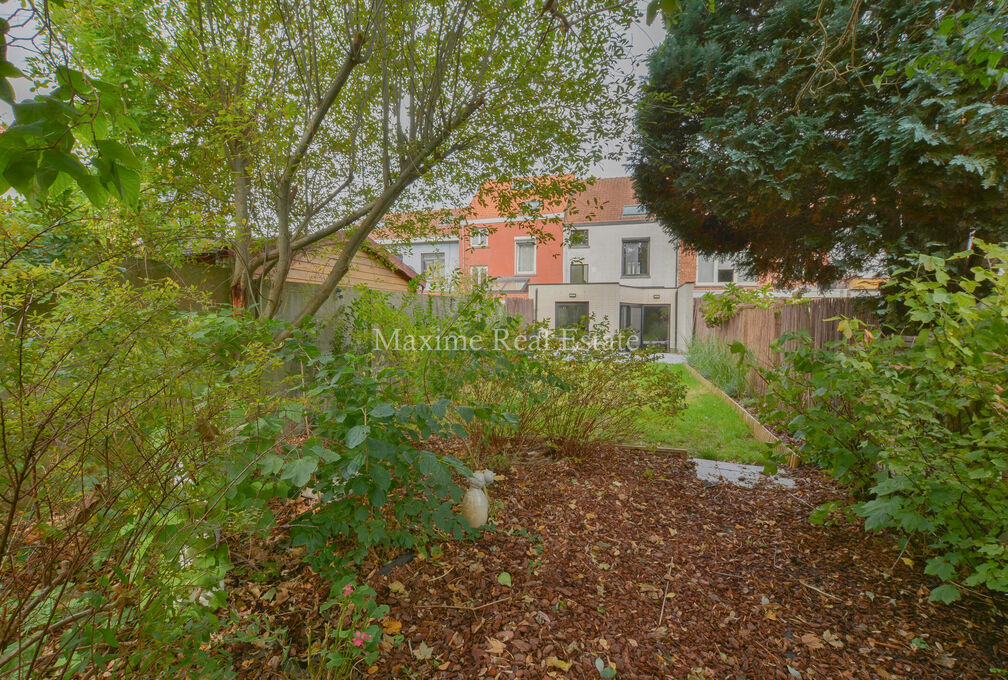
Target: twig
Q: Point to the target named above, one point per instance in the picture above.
(464, 607)
(668, 580)
(820, 591)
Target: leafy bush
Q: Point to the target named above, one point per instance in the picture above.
(587, 393)
(714, 360)
(114, 409)
(529, 388)
(344, 436)
(719, 307)
(919, 427)
(350, 638)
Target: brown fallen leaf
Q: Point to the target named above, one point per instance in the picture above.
(495, 646)
(832, 640)
(811, 641)
(391, 626)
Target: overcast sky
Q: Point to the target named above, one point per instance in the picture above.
(643, 39)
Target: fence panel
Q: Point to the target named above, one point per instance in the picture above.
(758, 329)
(523, 307)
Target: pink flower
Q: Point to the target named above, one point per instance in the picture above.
(348, 589)
(360, 638)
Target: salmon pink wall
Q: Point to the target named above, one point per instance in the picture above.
(499, 255)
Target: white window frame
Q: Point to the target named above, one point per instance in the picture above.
(441, 267)
(479, 238)
(523, 240)
(479, 273)
(570, 270)
(722, 263)
(582, 244)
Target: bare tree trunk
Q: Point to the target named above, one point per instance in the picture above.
(379, 207)
(240, 274)
(284, 256)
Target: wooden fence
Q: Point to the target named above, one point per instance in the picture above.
(758, 329)
(523, 307)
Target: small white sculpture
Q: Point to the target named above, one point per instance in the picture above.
(475, 504)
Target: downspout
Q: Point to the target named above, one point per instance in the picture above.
(675, 338)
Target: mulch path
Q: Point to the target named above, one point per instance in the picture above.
(750, 589)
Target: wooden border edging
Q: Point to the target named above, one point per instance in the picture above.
(756, 427)
(672, 451)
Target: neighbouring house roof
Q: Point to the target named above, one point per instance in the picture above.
(421, 226)
(510, 285)
(373, 265)
(502, 199)
(604, 201)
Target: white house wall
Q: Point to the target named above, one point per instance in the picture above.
(410, 253)
(604, 301)
(604, 254)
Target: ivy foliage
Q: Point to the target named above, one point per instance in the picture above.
(918, 426)
(720, 307)
(805, 139)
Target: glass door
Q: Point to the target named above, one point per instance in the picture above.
(649, 323)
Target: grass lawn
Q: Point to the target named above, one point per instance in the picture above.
(707, 428)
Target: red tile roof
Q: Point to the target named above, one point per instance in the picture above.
(603, 201)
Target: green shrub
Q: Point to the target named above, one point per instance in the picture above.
(587, 393)
(115, 411)
(344, 436)
(714, 360)
(919, 427)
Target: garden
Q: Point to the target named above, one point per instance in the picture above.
(221, 479)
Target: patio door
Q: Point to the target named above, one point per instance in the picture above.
(650, 323)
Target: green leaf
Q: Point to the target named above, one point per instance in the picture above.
(356, 436)
(300, 470)
(9, 70)
(380, 476)
(504, 579)
(117, 152)
(383, 410)
(945, 593)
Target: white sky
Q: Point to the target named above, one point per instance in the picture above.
(643, 39)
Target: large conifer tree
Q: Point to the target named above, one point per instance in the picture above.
(806, 139)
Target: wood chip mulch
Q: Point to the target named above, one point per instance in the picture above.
(627, 558)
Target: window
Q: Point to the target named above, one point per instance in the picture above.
(531, 207)
(634, 210)
(572, 315)
(478, 273)
(578, 272)
(635, 257)
(716, 270)
(525, 256)
(432, 263)
(522, 184)
(478, 238)
(579, 238)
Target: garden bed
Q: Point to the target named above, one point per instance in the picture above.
(592, 549)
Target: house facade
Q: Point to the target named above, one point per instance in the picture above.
(432, 258)
(597, 254)
(515, 246)
(619, 268)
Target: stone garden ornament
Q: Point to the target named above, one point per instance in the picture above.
(475, 504)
